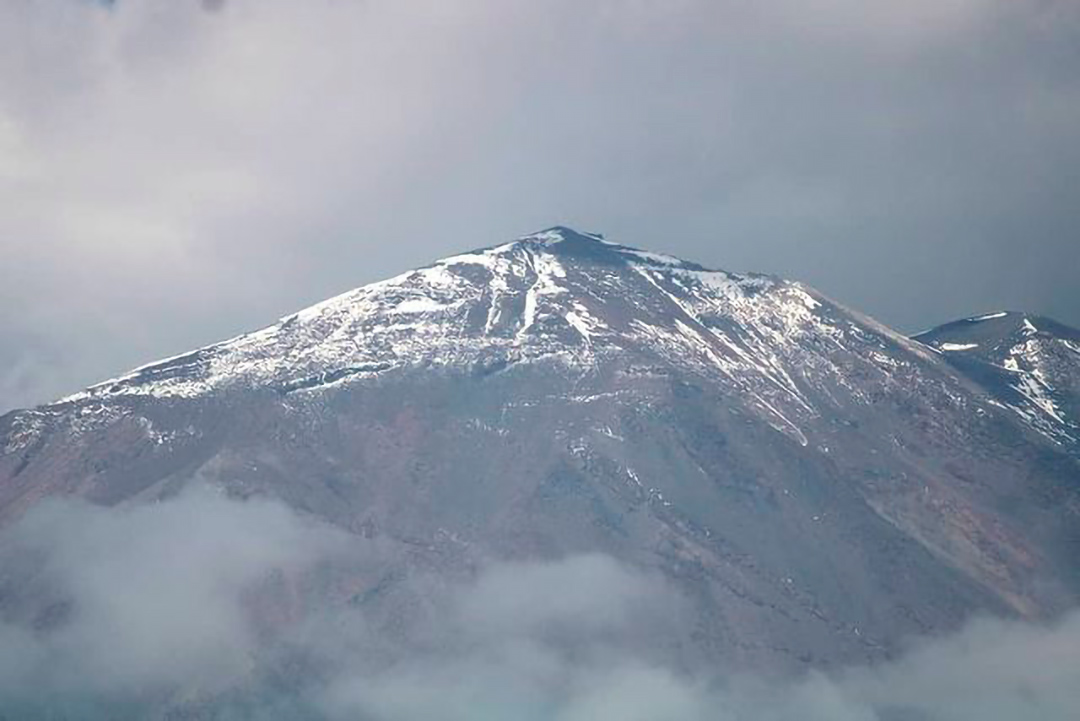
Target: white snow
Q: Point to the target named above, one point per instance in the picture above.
(485, 258)
(579, 325)
(989, 316)
(419, 305)
(715, 280)
(957, 346)
(26, 428)
(1036, 392)
(585, 322)
(548, 271)
(809, 301)
(653, 258)
(1025, 362)
(547, 237)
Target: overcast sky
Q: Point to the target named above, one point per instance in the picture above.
(175, 172)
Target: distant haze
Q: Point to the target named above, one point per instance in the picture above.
(175, 172)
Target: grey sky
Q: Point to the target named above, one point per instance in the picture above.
(172, 173)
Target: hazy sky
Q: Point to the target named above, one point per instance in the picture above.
(175, 172)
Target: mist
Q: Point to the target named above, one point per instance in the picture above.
(161, 608)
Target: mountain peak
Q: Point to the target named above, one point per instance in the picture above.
(767, 451)
(562, 234)
(557, 295)
(574, 245)
(994, 332)
(1027, 361)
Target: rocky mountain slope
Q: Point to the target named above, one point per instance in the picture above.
(816, 485)
(1028, 363)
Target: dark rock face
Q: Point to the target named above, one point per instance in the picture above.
(816, 485)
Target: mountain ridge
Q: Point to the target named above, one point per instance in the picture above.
(816, 484)
(1027, 362)
(411, 293)
(268, 356)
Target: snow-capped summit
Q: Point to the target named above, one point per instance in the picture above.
(815, 486)
(554, 296)
(1030, 363)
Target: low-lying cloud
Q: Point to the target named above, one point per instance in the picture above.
(128, 602)
(147, 610)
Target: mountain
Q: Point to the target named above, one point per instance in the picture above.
(817, 486)
(1030, 364)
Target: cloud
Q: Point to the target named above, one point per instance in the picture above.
(170, 176)
(132, 602)
(519, 641)
(591, 591)
(991, 670)
(145, 610)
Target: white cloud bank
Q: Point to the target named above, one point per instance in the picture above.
(158, 610)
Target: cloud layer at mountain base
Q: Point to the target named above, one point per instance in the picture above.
(176, 172)
(146, 596)
(155, 606)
